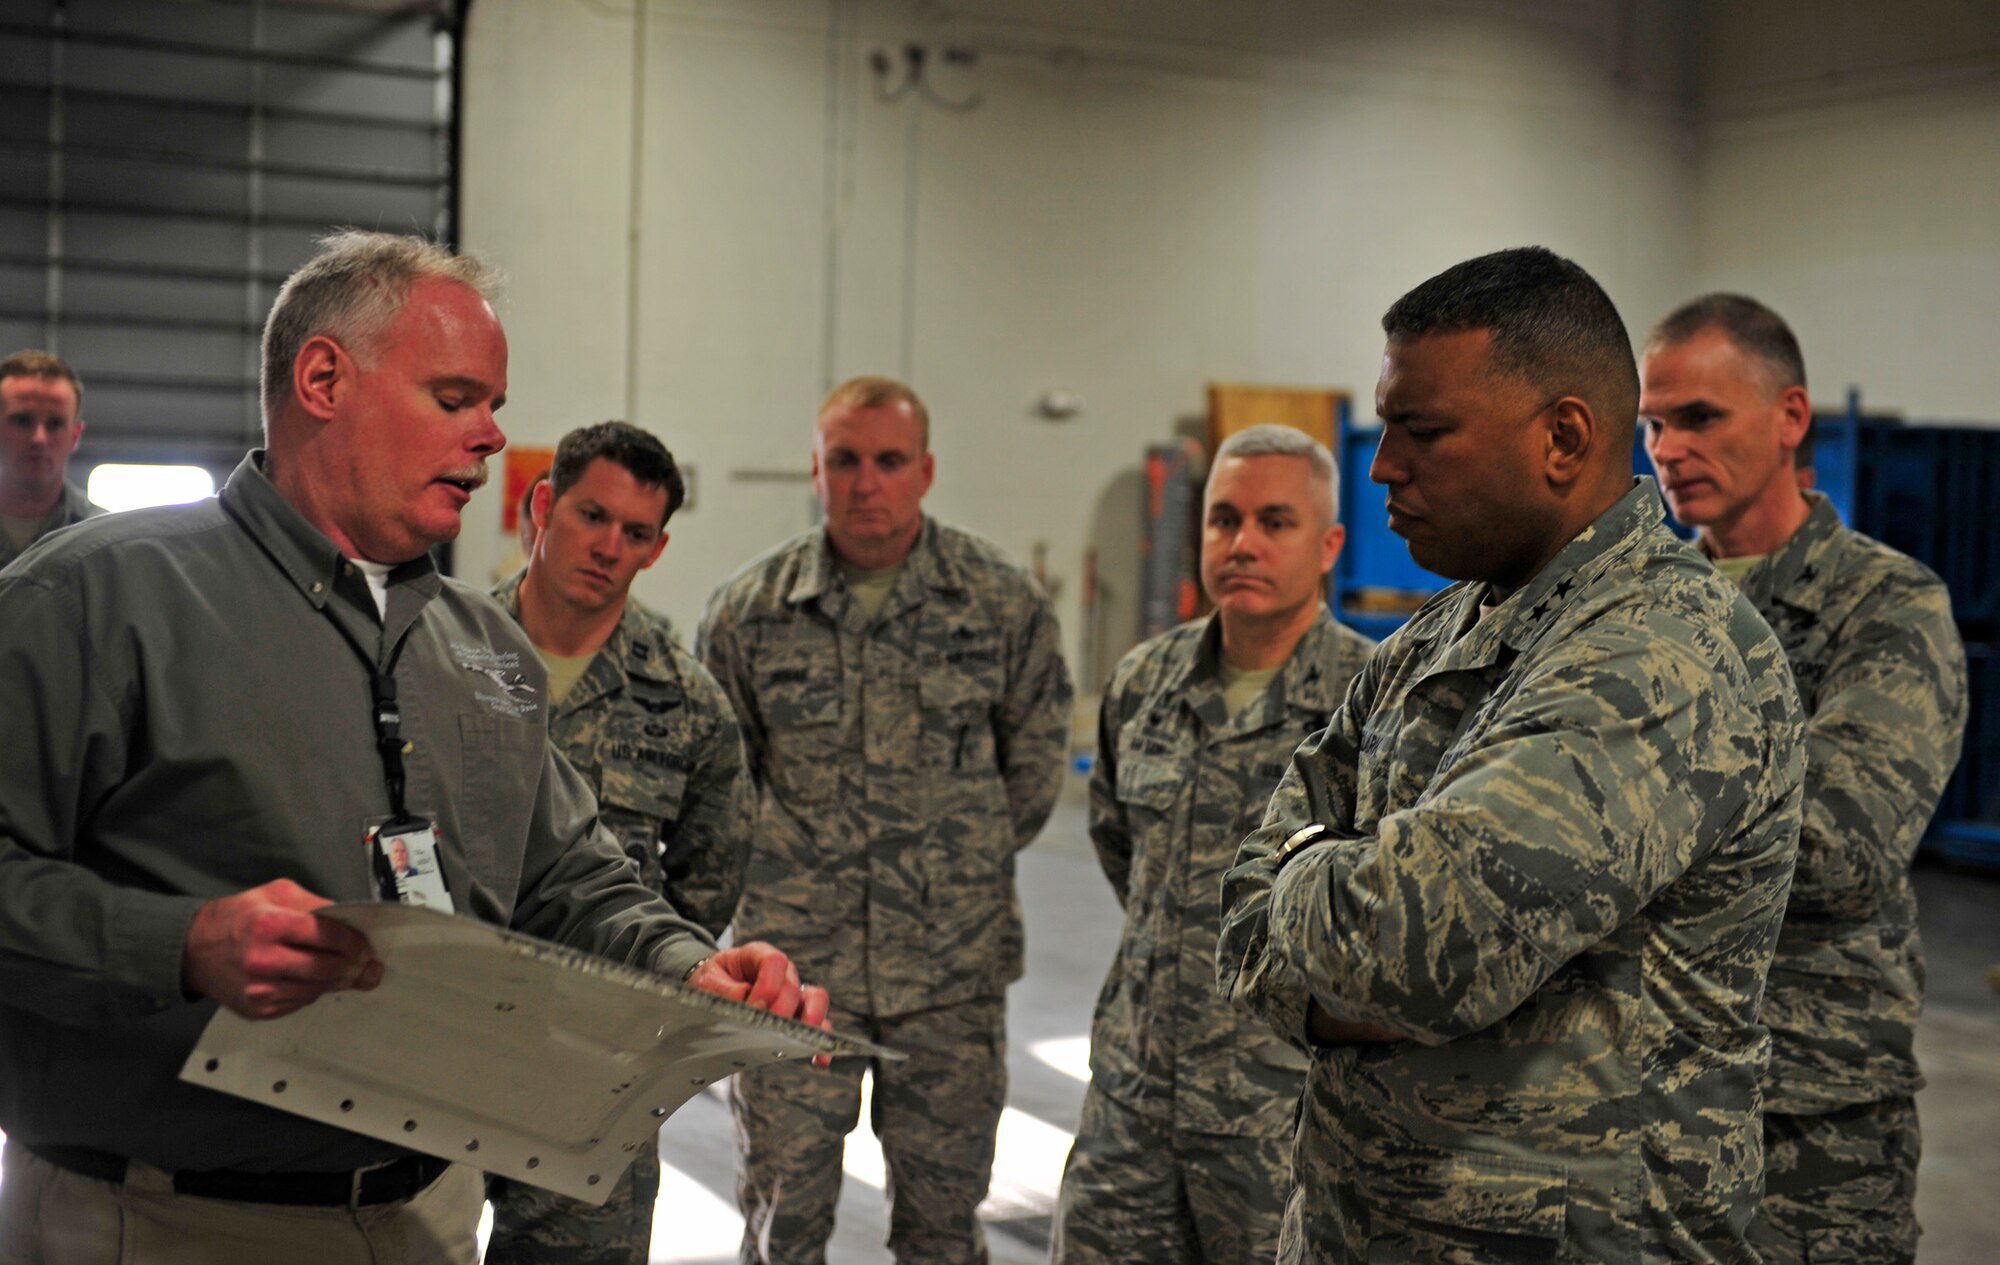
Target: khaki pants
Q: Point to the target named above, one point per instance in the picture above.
(50, 1216)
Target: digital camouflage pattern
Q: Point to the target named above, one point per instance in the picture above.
(936, 1114)
(71, 507)
(1558, 843)
(532, 1226)
(1881, 674)
(1215, 1202)
(900, 763)
(1177, 784)
(655, 737)
(1866, 1155)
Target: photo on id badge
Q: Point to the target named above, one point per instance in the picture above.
(406, 863)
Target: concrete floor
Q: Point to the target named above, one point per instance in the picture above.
(1072, 927)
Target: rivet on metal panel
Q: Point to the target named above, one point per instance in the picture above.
(534, 1161)
(591, 1180)
(277, 1087)
(659, 1111)
(347, 1104)
(409, 1126)
(212, 1064)
(503, 1007)
(472, 1145)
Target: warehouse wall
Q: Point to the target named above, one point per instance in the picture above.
(1146, 197)
(1850, 176)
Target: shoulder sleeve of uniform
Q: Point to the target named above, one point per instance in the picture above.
(1031, 725)
(1885, 724)
(1110, 832)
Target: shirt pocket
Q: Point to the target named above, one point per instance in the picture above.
(502, 765)
(1451, 1206)
(802, 727)
(640, 804)
(960, 706)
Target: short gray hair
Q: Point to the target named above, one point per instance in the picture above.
(1284, 441)
(351, 292)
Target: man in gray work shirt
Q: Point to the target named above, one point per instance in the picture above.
(193, 769)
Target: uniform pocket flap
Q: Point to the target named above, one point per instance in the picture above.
(793, 697)
(949, 688)
(1150, 781)
(1490, 1194)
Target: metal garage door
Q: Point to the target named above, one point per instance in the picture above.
(165, 163)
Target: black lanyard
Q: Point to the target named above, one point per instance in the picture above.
(388, 713)
(389, 742)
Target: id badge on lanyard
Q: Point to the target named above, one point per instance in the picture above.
(406, 856)
(407, 863)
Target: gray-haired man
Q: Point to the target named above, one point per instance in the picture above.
(200, 758)
(1183, 1152)
(1877, 659)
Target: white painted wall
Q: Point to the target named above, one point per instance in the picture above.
(1850, 177)
(1149, 196)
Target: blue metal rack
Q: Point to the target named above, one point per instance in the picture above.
(1932, 491)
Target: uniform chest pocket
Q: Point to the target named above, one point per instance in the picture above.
(958, 705)
(501, 765)
(639, 804)
(802, 725)
(1151, 774)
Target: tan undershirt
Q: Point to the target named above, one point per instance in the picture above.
(1736, 570)
(870, 588)
(564, 672)
(1241, 687)
(22, 532)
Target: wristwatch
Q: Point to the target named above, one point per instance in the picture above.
(1299, 841)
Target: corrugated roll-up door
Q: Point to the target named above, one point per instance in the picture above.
(165, 163)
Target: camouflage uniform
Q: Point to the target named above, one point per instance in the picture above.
(71, 507)
(1183, 1150)
(1557, 842)
(900, 763)
(1881, 674)
(654, 735)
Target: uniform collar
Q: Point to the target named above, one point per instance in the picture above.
(632, 649)
(925, 569)
(1302, 682)
(1517, 623)
(1800, 573)
(307, 557)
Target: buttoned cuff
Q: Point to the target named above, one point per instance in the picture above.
(147, 934)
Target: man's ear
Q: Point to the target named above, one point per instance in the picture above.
(539, 505)
(658, 546)
(1572, 434)
(1795, 409)
(319, 375)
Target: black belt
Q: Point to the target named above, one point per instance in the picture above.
(382, 1184)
